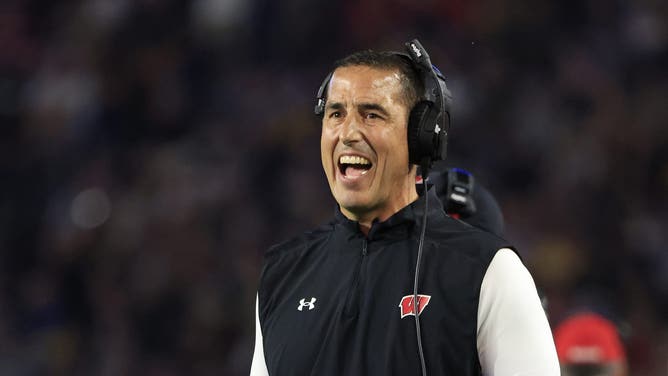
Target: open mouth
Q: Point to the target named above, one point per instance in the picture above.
(353, 165)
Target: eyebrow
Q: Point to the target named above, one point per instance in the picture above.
(364, 106)
(373, 107)
(335, 106)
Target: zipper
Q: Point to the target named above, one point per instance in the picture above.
(354, 299)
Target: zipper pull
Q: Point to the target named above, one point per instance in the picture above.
(364, 248)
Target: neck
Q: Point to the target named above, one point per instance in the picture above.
(404, 195)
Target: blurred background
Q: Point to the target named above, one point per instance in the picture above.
(151, 151)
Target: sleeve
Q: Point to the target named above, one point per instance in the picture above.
(258, 366)
(514, 336)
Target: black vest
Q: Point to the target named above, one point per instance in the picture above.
(334, 302)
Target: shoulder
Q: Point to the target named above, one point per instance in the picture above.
(299, 242)
(285, 261)
(454, 235)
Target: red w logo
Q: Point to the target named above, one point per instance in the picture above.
(407, 304)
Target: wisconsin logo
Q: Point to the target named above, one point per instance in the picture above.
(407, 304)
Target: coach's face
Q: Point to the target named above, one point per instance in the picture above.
(363, 144)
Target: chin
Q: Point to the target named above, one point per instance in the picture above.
(352, 202)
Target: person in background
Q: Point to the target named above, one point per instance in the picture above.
(588, 344)
(464, 198)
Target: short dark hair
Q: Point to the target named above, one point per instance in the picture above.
(410, 79)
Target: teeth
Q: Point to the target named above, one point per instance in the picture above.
(353, 159)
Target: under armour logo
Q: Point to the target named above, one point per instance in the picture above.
(407, 304)
(303, 303)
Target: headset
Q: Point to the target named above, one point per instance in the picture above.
(459, 201)
(428, 126)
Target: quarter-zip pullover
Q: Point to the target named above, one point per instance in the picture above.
(330, 300)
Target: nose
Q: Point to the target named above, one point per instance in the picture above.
(351, 131)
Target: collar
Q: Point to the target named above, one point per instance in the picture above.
(400, 224)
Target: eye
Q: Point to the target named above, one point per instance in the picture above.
(335, 113)
(373, 116)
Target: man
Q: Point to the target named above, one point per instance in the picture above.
(588, 344)
(342, 299)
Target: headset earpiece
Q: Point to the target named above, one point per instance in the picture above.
(417, 147)
(429, 120)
